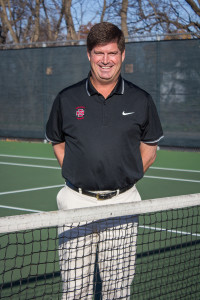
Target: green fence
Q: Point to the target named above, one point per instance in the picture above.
(168, 70)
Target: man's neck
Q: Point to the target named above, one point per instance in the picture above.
(104, 89)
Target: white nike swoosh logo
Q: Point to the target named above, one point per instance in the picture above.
(128, 113)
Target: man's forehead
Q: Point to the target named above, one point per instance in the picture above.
(106, 47)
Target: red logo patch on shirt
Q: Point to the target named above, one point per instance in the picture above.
(80, 112)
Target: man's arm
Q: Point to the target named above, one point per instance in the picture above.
(59, 151)
(148, 154)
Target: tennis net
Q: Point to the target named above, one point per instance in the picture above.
(143, 250)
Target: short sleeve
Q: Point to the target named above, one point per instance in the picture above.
(151, 130)
(54, 131)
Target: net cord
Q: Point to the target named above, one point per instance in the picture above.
(59, 218)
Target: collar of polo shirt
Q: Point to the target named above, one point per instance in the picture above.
(118, 89)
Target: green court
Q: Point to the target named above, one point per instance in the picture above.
(166, 261)
(30, 177)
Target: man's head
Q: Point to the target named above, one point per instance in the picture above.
(104, 33)
(106, 52)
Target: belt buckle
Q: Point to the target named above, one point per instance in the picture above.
(105, 196)
(99, 197)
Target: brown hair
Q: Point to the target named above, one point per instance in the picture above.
(104, 33)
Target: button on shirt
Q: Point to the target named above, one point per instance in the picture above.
(102, 136)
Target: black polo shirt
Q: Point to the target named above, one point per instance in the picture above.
(103, 136)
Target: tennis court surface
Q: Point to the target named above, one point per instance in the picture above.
(168, 236)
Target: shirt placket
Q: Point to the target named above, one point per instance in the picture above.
(105, 121)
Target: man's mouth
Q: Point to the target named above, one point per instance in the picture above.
(105, 68)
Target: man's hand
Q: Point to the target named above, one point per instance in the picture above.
(59, 151)
(148, 154)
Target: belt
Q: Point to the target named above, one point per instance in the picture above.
(99, 196)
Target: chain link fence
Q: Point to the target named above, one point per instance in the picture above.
(30, 79)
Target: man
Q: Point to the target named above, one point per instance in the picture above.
(104, 131)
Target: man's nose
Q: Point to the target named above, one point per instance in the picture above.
(105, 59)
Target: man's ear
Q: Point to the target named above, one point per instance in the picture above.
(123, 55)
(88, 55)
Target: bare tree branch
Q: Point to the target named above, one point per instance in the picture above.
(103, 11)
(50, 20)
(123, 15)
(37, 21)
(8, 22)
(71, 33)
(49, 31)
(193, 5)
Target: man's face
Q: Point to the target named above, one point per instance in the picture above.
(106, 61)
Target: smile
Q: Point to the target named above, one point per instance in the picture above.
(105, 68)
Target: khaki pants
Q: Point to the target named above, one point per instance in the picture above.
(112, 242)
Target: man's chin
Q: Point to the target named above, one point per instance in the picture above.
(106, 79)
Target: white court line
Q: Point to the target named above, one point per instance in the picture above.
(21, 209)
(28, 165)
(170, 230)
(54, 159)
(33, 189)
(172, 169)
(28, 157)
(172, 178)
(58, 168)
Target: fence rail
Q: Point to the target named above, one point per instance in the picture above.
(81, 42)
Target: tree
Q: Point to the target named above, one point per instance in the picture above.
(36, 14)
(123, 15)
(2, 36)
(103, 11)
(7, 22)
(166, 17)
(30, 21)
(71, 33)
(84, 30)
